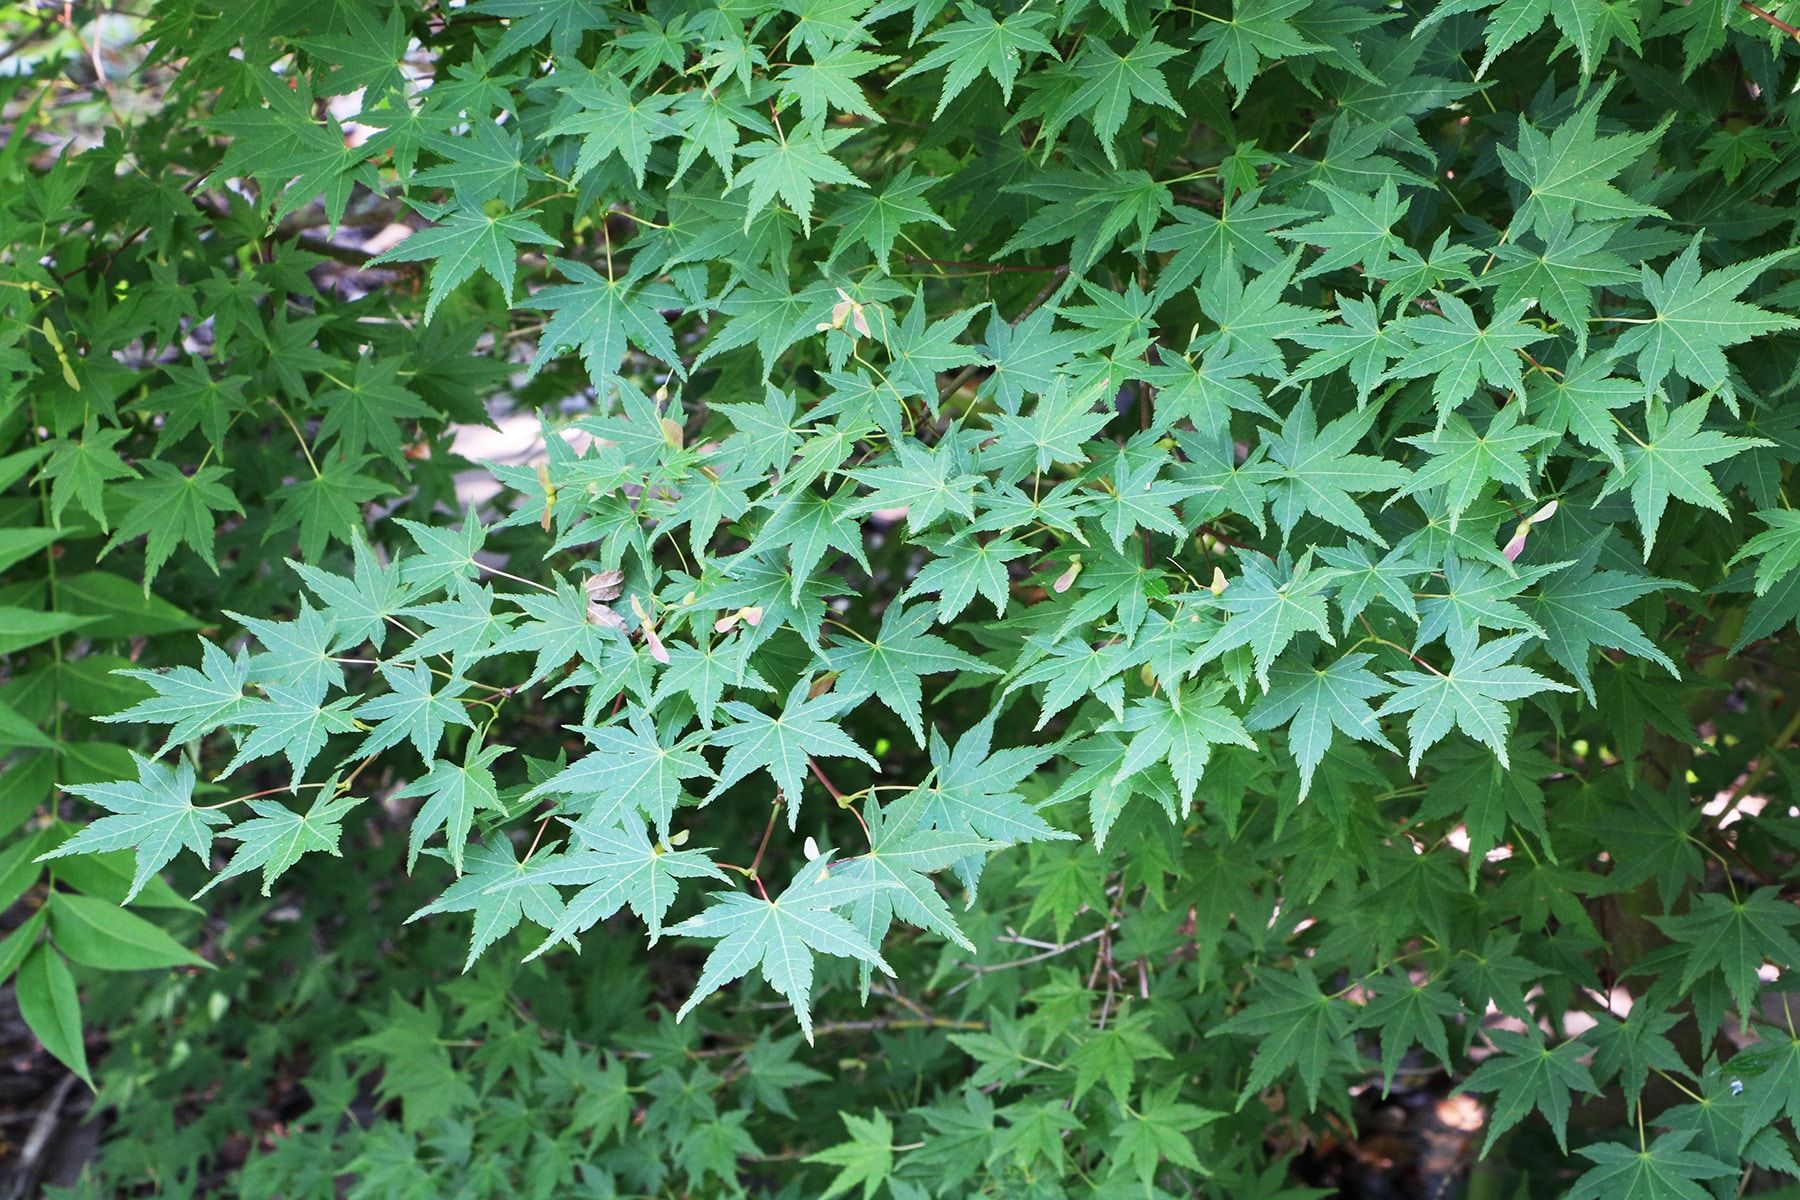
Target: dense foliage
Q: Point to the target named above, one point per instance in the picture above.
(1101, 580)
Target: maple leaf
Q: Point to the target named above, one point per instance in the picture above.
(1568, 174)
(412, 710)
(1298, 1028)
(1697, 317)
(463, 242)
(1527, 1074)
(611, 120)
(876, 218)
(1258, 30)
(1579, 609)
(782, 935)
(630, 767)
(904, 854)
(1734, 935)
(1181, 728)
(615, 866)
(497, 888)
(1460, 355)
(1463, 462)
(1665, 1170)
(1408, 1014)
(1110, 81)
(1156, 1133)
(867, 1158)
(781, 744)
(1314, 702)
(890, 667)
(792, 166)
(1671, 460)
(154, 815)
(1468, 696)
(368, 408)
(1319, 473)
(326, 507)
(981, 42)
(277, 836)
(454, 793)
(192, 702)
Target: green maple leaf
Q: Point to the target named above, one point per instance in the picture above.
(499, 890)
(1356, 232)
(562, 627)
(1156, 1133)
(194, 399)
(1179, 727)
(1568, 174)
(1252, 316)
(1110, 81)
(1579, 609)
(980, 42)
(489, 162)
(809, 524)
(277, 836)
(615, 866)
(1027, 357)
(359, 607)
(1091, 210)
(174, 509)
(704, 671)
(1665, 1170)
(974, 789)
(1468, 696)
(919, 351)
(782, 935)
(291, 722)
(1463, 461)
(1205, 243)
(1258, 31)
(454, 793)
(1314, 702)
(1671, 460)
(1633, 1047)
(1779, 546)
(1270, 607)
(367, 56)
(1113, 1053)
(867, 1158)
(876, 218)
(792, 166)
(966, 567)
(1459, 355)
(368, 409)
(1361, 343)
(297, 653)
(193, 702)
(782, 743)
(1298, 1028)
(611, 120)
(1734, 936)
(80, 470)
(1408, 1014)
(467, 241)
(327, 507)
(926, 482)
(154, 815)
(890, 667)
(464, 627)
(1319, 473)
(1697, 317)
(412, 710)
(1582, 402)
(1562, 276)
(629, 768)
(829, 82)
(1058, 427)
(1477, 597)
(446, 557)
(1527, 1074)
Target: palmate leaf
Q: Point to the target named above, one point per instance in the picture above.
(792, 166)
(1735, 936)
(1408, 1014)
(1181, 728)
(277, 836)
(1666, 1170)
(1314, 702)
(171, 509)
(1298, 1027)
(891, 666)
(615, 866)
(629, 768)
(782, 744)
(981, 43)
(1319, 473)
(454, 793)
(154, 815)
(1527, 1074)
(496, 887)
(1697, 317)
(782, 935)
(1671, 460)
(867, 1158)
(904, 854)
(599, 316)
(464, 242)
(1468, 696)
(192, 702)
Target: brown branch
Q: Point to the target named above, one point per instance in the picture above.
(1771, 18)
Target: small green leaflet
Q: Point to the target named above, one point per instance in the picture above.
(465, 242)
(615, 866)
(867, 1158)
(782, 743)
(1313, 702)
(155, 815)
(890, 667)
(781, 935)
(1468, 696)
(277, 836)
(1697, 317)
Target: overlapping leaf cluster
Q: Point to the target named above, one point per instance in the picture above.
(1223, 553)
